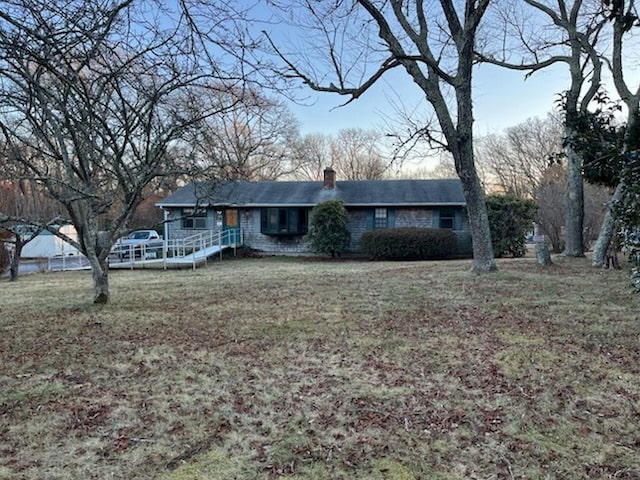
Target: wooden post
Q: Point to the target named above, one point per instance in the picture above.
(543, 257)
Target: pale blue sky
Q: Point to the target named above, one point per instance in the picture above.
(501, 98)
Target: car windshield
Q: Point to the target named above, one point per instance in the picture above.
(139, 235)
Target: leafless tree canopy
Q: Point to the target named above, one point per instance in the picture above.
(29, 210)
(313, 155)
(549, 195)
(516, 159)
(537, 34)
(98, 93)
(354, 153)
(253, 140)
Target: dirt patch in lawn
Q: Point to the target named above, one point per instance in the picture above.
(270, 368)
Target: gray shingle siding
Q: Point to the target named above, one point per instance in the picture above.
(358, 221)
(414, 217)
(254, 238)
(174, 226)
(356, 224)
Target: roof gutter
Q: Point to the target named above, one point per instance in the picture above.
(311, 205)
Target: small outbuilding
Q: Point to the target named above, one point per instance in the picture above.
(46, 244)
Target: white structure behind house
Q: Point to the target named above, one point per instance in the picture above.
(46, 244)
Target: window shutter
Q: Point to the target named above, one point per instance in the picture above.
(264, 220)
(435, 218)
(457, 223)
(256, 216)
(391, 217)
(293, 224)
(369, 220)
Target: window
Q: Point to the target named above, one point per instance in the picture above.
(447, 219)
(194, 219)
(139, 235)
(380, 218)
(284, 221)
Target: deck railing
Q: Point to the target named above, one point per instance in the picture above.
(195, 246)
(192, 249)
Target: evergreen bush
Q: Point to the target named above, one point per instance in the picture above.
(510, 220)
(408, 243)
(329, 234)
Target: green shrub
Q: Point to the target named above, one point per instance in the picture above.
(329, 234)
(631, 245)
(408, 243)
(510, 220)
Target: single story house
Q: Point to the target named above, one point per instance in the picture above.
(275, 216)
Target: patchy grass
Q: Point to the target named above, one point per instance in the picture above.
(268, 368)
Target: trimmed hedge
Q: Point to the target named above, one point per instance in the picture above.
(409, 244)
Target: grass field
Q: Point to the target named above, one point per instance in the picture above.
(291, 368)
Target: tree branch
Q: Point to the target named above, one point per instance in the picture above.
(355, 92)
(532, 67)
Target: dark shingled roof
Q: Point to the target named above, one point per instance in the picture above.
(351, 192)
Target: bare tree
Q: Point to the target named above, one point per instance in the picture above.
(624, 15)
(517, 158)
(596, 198)
(101, 92)
(444, 169)
(312, 156)
(549, 195)
(557, 32)
(434, 43)
(254, 140)
(356, 155)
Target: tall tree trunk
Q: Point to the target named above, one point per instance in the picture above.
(574, 206)
(85, 219)
(607, 230)
(14, 264)
(100, 273)
(483, 258)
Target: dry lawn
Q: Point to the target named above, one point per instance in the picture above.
(276, 368)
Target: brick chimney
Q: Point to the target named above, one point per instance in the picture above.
(329, 178)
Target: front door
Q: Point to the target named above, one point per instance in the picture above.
(231, 226)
